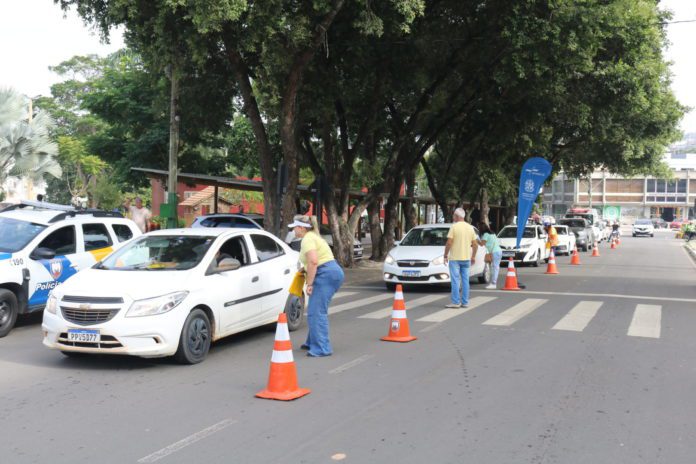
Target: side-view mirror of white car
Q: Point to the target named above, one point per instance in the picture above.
(397, 242)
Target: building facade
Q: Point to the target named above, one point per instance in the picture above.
(629, 198)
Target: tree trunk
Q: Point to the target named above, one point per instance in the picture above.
(485, 208)
(375, 227)
(391, 222)
(409, 206)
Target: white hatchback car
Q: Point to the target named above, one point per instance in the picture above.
(419, 259)
(532, 247)
(173, 292)
(566, 240)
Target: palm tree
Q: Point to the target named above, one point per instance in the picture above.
(26, 146)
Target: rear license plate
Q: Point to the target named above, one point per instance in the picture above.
(411, 273)
(508, 254)
(84, 336)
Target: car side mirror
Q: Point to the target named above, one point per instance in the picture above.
(227, 264)
(43, 253)
(397, 242)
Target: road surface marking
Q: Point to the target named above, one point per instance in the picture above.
(386, 312)
(362, 302)
(579, 317)
(441, 316)
(596, 295)
(352, 363)
(342, 294)
(430, 327)
(646, 321)
(190, 440)
(517, 312)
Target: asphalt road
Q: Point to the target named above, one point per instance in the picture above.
(595, 365)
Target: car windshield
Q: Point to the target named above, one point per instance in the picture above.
(159, 252)
(426, 237)
(643, 222)
(574, 223)
(588, 217)
(15, 235)
(562, 230)
(511, 232)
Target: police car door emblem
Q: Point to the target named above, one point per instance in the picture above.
(56, 268)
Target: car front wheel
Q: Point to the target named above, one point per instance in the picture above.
(195, 340)
(485, 276)
(8, 311)
(294, 312)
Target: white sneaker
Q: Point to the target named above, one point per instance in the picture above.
(452, 305)
(491, 287)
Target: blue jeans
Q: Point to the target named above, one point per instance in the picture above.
(495, 266)
(459, 276)
(327, 281)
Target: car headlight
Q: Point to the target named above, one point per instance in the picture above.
(157, 305)
(440, 260)
(389, 259)
(52, 304)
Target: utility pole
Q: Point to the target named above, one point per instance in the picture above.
(172, 200)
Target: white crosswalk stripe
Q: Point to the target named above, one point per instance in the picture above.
(646, 321)
(449, 313)
(344, 294)
(517, 312)
(386, 312)
(579, 317)
(358, 303)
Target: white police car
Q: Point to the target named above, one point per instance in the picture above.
(42, 245)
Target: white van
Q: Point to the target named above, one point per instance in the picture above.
(591, 215)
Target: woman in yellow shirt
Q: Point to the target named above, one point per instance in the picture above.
(324, 278)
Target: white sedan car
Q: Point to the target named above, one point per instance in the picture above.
(566, 240)
(173, 292)
(419, 259)
(532, 247)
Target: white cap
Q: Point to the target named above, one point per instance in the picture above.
(297, 223)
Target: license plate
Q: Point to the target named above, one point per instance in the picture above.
(411, 273)
(508, 254)
(84, 336)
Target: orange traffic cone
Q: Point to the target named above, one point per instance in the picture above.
(398, 328)
(575, 259)
(613, 244)
(511, 277)
(282, 379)
(595, 251)
(551, 268)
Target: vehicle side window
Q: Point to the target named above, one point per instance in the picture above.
(96, 236)
(61, 241)
(235, 248)
(123, 232)
(245, 223)
(266, 247)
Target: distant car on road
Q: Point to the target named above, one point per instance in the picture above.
(659, 223)
(643, 227)
(677, 224)
(566, 239)
(295, 242)
(584, 234)
(532, 248)
(229, 220)
(173, 292)
(418, 259)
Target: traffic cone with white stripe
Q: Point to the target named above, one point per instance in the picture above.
(511, 277)
(398, 327)
(575, 259)
(282, 379)
(613, 244)
(551, 268)
(595, 251)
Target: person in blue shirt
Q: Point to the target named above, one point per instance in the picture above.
(490, 241)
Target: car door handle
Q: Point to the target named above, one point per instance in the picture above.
(287, 271)
(255, 279)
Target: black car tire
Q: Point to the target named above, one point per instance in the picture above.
(585, 248)
(8, 311)
(390, 287)
(652, 235)
(537, 261)
(485, 276)
(196, 336)
(294, 312)
(634, 235)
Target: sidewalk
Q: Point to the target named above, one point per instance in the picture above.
(365, 272)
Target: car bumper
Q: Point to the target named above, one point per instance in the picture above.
(149, 336)
(643, 232)
(425, 275)
(524, 256)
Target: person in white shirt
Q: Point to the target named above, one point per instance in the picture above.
(138, 213)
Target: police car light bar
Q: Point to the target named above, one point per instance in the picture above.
(46, 205)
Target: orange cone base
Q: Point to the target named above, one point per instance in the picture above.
(512, 289)
(551, 272)
(282, 383)
(389, 338)
(283, 396)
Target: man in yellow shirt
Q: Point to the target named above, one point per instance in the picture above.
(460, 251)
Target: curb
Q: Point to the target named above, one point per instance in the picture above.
(691, 251)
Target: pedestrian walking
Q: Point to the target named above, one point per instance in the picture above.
(323, 276)
(460, 252)
(493, 252)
